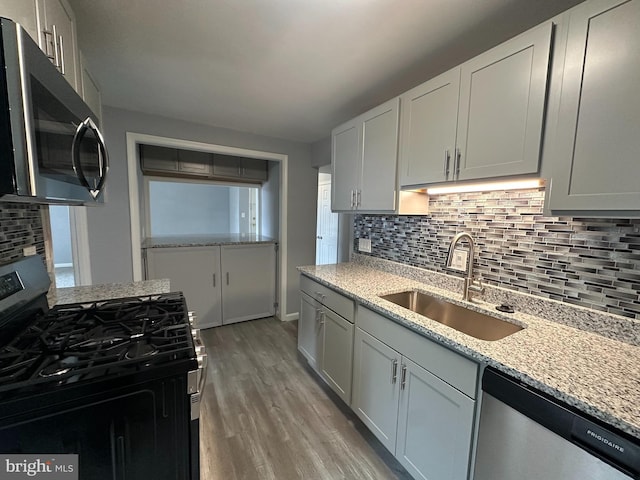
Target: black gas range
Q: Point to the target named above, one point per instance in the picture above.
(116, 382)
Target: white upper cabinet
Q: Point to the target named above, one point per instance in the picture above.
(594, 156)
(51, 24)
(428, 130)
(58, 38)
(377, 189)
(502, 106)
(364, 161)
(483, 119)
(24, 12)
(90, 89)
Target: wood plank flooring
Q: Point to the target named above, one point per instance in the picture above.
(266, 416)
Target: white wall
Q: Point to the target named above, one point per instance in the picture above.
(109, 225)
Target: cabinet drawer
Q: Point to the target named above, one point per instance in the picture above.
(340, 304)
(449, 366)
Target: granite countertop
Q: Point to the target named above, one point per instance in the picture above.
(93, 293)
(596, 374)
(205, 240)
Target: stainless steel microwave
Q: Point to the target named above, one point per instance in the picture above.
(51, 150)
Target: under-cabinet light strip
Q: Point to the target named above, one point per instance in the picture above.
(483, 187)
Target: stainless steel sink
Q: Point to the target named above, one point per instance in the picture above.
(475, 324)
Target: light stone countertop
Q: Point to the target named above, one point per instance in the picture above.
(204, 240)
(94, 293)
(596, 374)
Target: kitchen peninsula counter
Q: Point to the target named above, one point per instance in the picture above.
(205, 240)
(109, 291)
(594, 372)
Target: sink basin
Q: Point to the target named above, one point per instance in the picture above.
(475, 324)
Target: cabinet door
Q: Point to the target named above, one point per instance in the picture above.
(23, 12)
(435, 422)
(337, 353)
(90, 90)
(502, 99)
(376, 387)
(254, 169)
(57, 13)
(428, 130)
(248, 287)
(190, 161)
(195, 271)
(346, 164)
(377, 190)
(309, 330)
(158, 159)
(226, 166)
(597, 142)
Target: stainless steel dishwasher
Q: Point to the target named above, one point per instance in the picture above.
(524, 435)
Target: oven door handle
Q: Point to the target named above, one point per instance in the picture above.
(103, 157)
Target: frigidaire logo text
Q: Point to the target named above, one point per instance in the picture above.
(606, 441)
(34, 467)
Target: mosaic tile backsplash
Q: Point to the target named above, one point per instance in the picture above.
(20, 226)
(583, 261)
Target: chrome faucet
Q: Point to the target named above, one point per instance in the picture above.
(470, 285)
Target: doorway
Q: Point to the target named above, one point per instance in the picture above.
(327, 223)
(70, 245)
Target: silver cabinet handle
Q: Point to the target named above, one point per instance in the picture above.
(394, 371)
(447, 159)
(457, 162)
(61, 54)
(322, 317)
(358, 197)
(353, 198)
(214, 280)
(403, 380)
(227, 278)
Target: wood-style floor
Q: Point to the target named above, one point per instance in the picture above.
(266, 416)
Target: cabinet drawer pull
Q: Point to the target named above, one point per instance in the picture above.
(214, 280)
(358, 197)
(353, 198)
(403, 380)
(457, 163)
(447, 159)
(227, 278)
(394, 371)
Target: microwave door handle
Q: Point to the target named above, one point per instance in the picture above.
(103, 158)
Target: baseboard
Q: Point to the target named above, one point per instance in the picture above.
(289, 317)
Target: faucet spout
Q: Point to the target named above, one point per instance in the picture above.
(470, 285)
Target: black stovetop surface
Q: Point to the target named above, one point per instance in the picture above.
(81, 342)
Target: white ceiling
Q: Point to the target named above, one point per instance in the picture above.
(292, 69)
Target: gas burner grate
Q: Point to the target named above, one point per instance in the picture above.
(88, 340)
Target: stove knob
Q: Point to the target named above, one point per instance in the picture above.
(193, 319)
(200, 350)
(202, 360)
(196, 337)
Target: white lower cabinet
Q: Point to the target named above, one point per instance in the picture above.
(248, 286)
(435, 423)
(337, 352)
(376, 387)
(308, 330)
(419, 417)
(325, 337)
(194, 271)
(222, 285)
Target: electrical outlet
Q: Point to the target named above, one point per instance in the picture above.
(28, 251)
(459, 261)
(364, 245)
